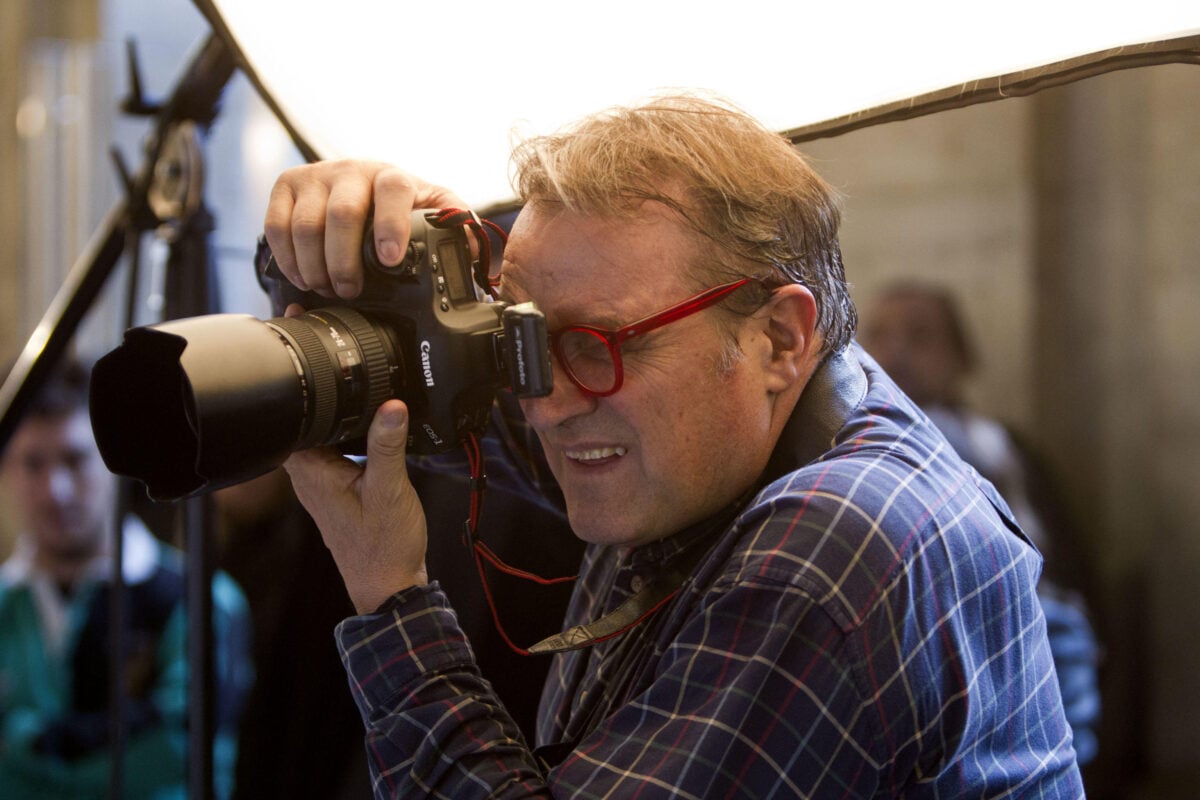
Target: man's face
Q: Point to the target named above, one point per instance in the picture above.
(682, 438)
(58, 486)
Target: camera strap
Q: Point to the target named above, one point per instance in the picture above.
(643, 604)
(481, 552)
(451, 217)
(657, 592)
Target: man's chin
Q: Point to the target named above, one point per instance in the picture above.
(69, 548)
(605, 530)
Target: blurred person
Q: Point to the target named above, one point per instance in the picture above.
(917, 333)
(55, 624)
(8, 536)
(790, 587)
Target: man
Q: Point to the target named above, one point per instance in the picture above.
(792, 586)
(55, 647)
(917, 334)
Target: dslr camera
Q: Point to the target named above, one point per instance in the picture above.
(192, 405)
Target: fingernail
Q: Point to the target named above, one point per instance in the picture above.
(345, 289)
(391, 417)
(389, 251)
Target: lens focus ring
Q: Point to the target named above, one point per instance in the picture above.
(374, 353)
(319, 372)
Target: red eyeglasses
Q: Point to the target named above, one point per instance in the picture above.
(591, 356)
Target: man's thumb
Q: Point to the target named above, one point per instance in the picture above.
(387, 439)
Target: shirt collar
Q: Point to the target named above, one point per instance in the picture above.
(833, 392)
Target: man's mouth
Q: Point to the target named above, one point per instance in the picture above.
(595, 454)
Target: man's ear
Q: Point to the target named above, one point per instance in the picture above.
(789, 320)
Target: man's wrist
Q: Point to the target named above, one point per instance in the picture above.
(370, 597)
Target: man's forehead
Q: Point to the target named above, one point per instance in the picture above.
(545, 233)
(593, 270)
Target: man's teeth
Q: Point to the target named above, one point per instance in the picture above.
(595, 454)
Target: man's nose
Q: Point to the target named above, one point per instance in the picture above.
(60, 483)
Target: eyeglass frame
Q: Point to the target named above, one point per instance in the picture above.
(613, 339)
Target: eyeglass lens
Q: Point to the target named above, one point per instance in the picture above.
(587, 356)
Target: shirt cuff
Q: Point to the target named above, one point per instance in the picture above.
(387, 654)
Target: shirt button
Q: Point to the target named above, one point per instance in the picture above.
(638, 583)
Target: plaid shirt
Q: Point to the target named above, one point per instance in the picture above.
(865, 626)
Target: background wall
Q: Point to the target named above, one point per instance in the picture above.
(27, 22)
(1119, 248)
(1068, 225)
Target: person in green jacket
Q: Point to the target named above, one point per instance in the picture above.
(55, 643)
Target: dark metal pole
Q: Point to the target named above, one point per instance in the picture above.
(191, 290)
(199, 519)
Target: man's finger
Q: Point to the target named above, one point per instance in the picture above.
(397, 194)
(277, 226)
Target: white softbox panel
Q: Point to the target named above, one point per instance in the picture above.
(441, 88)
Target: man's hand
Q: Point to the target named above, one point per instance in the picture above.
(370, 517)
(317, 213)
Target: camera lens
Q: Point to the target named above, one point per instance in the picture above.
(348, 365)
(196, 404)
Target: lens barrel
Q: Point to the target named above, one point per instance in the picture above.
(192, 405)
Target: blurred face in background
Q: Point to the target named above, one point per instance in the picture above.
(58, 488)
(913, 338)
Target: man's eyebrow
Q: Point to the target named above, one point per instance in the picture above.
(598, 318)
(601, 318)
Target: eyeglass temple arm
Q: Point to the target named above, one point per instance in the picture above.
(680, 310)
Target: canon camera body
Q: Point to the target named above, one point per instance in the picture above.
(195, 404)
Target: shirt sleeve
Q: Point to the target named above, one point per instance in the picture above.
(434, 727)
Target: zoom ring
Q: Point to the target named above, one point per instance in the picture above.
(374, 351)
(322, 377)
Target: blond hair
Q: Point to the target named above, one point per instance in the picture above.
(736, 184)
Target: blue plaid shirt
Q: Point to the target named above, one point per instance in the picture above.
(865, 626)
